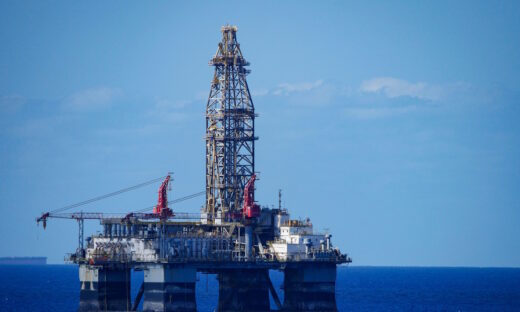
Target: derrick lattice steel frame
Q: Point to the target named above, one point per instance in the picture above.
(230, 129)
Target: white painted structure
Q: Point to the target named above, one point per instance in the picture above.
(291, 237)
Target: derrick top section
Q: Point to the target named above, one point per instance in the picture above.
(228, 51)
(229, 28)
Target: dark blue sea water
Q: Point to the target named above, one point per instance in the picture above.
(56, 288)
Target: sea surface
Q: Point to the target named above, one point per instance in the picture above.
(56, 288)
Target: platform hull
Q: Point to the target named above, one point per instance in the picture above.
(310, 288)
(243, 290)
(103, 289)
(169, 288)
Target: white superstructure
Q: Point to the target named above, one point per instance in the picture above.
(295, 240)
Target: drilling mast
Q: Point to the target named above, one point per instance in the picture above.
(230, 137)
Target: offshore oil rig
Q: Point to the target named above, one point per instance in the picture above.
(232, 236)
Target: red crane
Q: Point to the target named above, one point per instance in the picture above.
(161, 208)
(250, 209)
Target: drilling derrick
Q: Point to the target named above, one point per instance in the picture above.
(230, 137)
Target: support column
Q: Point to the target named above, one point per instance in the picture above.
(104, 289)
(248, 242)
(243, 290)
(310, 288)
(169, 288)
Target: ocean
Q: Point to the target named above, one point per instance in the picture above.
(56, 288)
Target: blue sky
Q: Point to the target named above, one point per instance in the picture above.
(393, 125)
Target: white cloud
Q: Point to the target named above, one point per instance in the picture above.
(91, 99)
(141, 130)
(165, 104)
(259, 92)
(288, 88)
(174, 116)
(169, 110)
(393, 87)
(376, 112)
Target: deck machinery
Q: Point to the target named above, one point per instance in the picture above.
(232, 236)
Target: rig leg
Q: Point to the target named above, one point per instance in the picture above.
(104, 289)
(138, 297)
(276, 299)
(243, 290)
(169, 288)
(310, 288)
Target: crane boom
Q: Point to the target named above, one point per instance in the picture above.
(160, 211)
(161, 208)
(112, 216)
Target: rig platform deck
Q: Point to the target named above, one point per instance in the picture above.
(232, 236)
